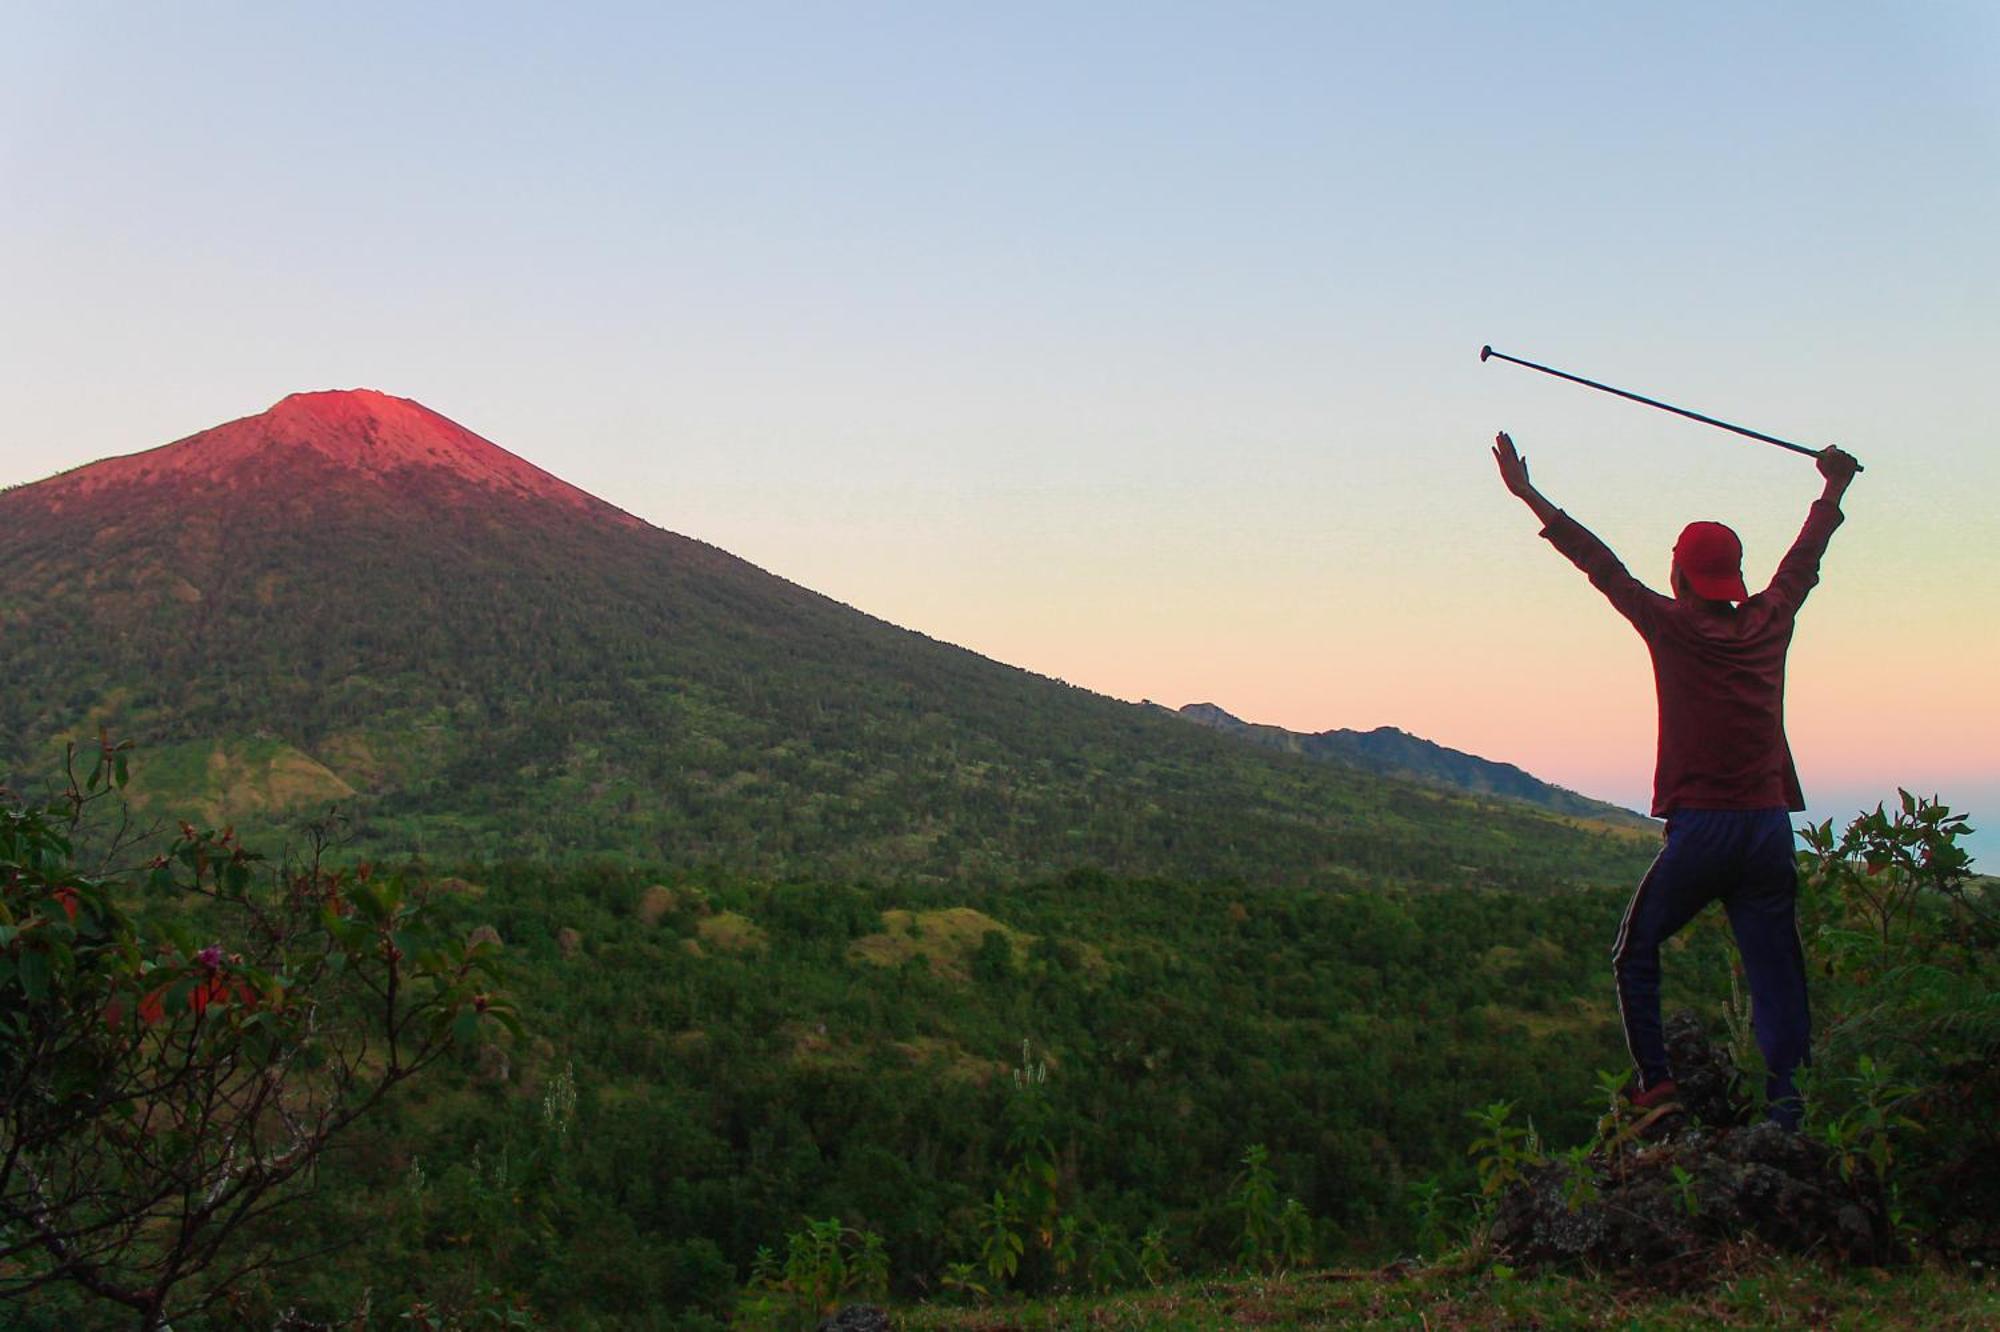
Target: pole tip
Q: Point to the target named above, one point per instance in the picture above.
(1485, 352)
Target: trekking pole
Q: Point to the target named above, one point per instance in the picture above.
(1486, 352)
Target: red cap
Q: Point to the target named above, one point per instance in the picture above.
(1712, 558)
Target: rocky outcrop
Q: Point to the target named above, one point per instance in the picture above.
(1657, 1208)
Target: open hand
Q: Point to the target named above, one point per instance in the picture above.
(1513, 467)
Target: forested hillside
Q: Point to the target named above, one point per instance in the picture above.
(349, 601)
(709, 1062)
(1390, 752)
(738, 1100)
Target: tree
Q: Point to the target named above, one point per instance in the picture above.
(179, 1044)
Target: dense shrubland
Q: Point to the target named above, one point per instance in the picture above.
(740, 1100)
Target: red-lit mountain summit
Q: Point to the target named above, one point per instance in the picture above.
(355, 434)
(351, 602)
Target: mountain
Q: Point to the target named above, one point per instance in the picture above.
(349, 601)
(1396, 753)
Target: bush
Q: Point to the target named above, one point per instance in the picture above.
(180, 1044)
(1908, 1053)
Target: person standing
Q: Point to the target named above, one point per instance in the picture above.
(1723, 779)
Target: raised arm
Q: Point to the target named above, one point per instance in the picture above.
(1838, 466)
(1798, 572)
(1514, 474)
(1631, 598)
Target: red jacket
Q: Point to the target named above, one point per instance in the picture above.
(1719, 671)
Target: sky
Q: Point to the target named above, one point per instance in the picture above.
(1136, 345)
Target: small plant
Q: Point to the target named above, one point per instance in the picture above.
(1033, 1183)
(1611, 1087)
(1579, 1181)
(1156, 1261)
(1030, 1073)
(1256, 1199)
(1865, 1133)
(868, 1267)
(559, 1104)
(1000, 1243)
(1617, 1127)
(1295, 1234)
(1503, 1151)
(822, 1263)
(962, 1280)
(1063, 1252)
(1108, 1258)
(1684, 1190)
(1744, 1052)
(1274, 1234)
(1426, 1204)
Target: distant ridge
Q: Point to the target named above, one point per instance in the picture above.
(1396, 753)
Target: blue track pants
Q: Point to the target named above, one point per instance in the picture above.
(1744, 859)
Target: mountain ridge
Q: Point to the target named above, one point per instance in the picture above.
(1392, 751)
(351, 591)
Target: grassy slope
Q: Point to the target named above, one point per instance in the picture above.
(1756, 1290)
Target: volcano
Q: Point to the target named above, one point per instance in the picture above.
(350, 606)
(358, 435)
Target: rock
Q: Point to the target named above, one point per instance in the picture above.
(1656, 1210)
(856, 1318)
(1711, 1086)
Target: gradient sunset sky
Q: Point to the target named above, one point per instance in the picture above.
(1132, 344)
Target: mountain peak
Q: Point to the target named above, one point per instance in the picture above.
(365, 432)
(334, 406)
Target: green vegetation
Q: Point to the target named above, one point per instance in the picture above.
(742, 1100)
(1752, 1289)
(498, 679)
(1907, 1055)
(847, 962)
(727, 1100)
(180, 1049)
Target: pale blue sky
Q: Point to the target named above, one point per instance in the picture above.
(1132, 344)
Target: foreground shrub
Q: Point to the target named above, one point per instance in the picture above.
(180, 1043)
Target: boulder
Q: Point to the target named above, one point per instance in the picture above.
(856, 1318)
(1711, 1086)
(1657, 1209)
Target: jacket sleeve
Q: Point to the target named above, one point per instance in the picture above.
(1627, 595)
(1798, 572)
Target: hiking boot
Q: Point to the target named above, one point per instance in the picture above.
(1652, 1105)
